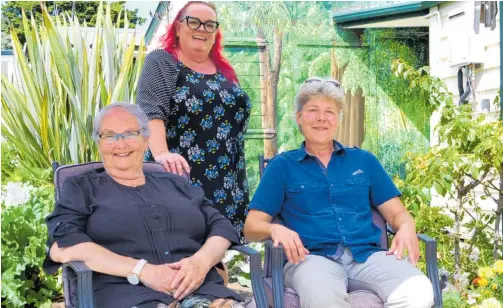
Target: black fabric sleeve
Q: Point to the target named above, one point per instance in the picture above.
(157, 85)
(217, 224)
(67, 223)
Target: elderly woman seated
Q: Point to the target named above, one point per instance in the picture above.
(324, 193)
(152, 239)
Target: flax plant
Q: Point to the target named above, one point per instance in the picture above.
(62, 78)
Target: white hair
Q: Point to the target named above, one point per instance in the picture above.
(134, 110)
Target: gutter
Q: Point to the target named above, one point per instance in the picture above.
(365, 15)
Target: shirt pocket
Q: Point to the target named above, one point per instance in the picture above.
(300, 196)
(359, 188)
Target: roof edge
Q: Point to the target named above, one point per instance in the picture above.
(385, 11)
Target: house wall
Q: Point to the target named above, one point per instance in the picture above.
(451, 41)
(7, 65)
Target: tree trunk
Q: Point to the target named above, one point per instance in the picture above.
(351, 129)
(499, 212)
(276, 65)
(457, 239)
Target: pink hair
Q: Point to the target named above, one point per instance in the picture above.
(170, 44)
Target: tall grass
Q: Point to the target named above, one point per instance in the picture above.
(62, 79)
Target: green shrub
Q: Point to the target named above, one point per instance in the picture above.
(452, 299)
(24, 235)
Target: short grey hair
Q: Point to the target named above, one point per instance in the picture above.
(134, 110)
(327, 90)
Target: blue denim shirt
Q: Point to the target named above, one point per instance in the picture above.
(330, 208)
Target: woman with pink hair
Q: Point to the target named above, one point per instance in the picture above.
(198, 112)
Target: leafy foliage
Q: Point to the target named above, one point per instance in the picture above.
(24, 234)
(468, 150)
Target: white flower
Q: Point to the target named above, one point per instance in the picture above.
(474, 256)
(462, 279)
(16, 193)
(472, 298)
(229, 255)
(490, 303)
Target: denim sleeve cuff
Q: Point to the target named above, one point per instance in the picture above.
(393, 194)
(262, 208)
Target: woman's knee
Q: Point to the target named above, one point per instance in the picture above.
(415, 292)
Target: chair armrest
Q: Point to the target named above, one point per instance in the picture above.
(255, 273)
(432, 266)
(277, 264)
(84, 283)
(390, 230)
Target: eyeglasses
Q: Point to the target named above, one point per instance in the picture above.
(331, 81)
(127, 136)
(195, 23)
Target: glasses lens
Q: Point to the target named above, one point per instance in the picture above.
(310, 80)
(210, 26)
(109, 138)
(193, 23)
(131, 136)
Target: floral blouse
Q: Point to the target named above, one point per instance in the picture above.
(207, 122)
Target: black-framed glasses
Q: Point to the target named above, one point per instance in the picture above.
(127, 136)
(195, 23)
(331, 81)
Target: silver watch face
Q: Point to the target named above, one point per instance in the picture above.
(133, 279)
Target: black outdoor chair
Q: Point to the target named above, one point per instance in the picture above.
(278, 296)
(77, 277)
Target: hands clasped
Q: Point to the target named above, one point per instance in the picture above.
(177, 279)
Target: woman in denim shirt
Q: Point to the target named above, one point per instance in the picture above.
(324, 194)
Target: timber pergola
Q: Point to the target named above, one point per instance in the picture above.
(267, 106)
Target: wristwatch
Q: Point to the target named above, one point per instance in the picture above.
(134, 277)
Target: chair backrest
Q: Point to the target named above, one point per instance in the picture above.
(64, 172)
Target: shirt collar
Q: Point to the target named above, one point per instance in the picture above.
(303, 153)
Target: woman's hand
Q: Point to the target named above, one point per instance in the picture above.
(158, 277)
(294, 249)
(405, 238)
(191, 273)
(173, 162)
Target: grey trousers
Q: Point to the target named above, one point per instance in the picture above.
(322, 282)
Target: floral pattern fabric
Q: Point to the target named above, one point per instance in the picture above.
(208, 120)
